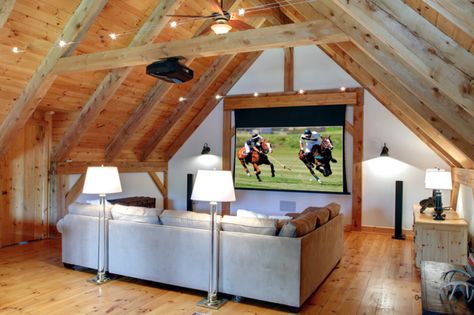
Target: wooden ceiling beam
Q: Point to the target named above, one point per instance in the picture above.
(42, 79)
(312, 32)
(385, 55)
(238, 72)
(290, 99)
(396, 98)
(445, 135)
(393, 95)
(197, 90)
(6, 8)
(152, 98)
(430, 62)
(460, 13)
(156, 22)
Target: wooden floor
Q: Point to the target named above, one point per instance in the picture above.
(376, 276)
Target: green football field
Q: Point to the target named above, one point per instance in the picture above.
(285, 144)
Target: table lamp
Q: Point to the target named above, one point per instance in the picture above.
(437, 179)
(213, 186)
(102, 180)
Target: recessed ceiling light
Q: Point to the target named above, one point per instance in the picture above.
(301, 91)
(173, 24)
(241, 12)
(181, 99)
(62, 43)
(113, 36)
(343, 88)
(218, 96)
(15, 50)
(255, 94)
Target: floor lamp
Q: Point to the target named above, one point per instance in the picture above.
(213, 186)
(102, 180)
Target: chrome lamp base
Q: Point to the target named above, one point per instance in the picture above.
(100, 278)
(214, 304)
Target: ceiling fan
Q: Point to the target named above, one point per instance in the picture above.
(223, 20)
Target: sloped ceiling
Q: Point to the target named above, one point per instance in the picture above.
(415, 56)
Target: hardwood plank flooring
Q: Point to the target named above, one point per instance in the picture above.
(377, 275)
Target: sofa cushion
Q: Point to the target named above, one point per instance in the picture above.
(332, 207)
(187, 219)
(87, 209)
(249, 225)
(302, 225)
(250, 214)
(135, 214)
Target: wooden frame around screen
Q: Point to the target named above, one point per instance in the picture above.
(350, 97)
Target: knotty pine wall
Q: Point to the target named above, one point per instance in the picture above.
(24, 184)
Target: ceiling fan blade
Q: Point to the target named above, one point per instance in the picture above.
(240, 25)
(190, 16)
(215, 7)
(258, 12)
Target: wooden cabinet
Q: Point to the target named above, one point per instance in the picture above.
(442, 241)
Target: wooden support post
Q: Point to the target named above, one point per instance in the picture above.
(455, 194)
(227, 151)
(358, 156)
(76, 190)
(161, 185)
(289, 69)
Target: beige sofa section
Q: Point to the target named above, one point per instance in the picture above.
(276, 269)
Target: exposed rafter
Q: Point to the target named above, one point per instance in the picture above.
(289, 70)
(460, 13)
(152, 98)
(6, 8)
(312, 32)
(238, 72)
(396, 98)
(446, 109)
(113, 80)
(42, 79)
(197, 90)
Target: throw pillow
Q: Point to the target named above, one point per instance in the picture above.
(334, 209)
(187, 219)
(88, 209)
(300, 226)
(249, 225)
(135, 214)
(322, 214)
(250, 214)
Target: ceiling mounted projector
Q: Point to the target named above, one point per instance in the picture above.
(170, 70)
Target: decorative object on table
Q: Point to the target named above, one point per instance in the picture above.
(384, 150)
(102, 180)
(205, 149)
(463, 285)
(398, 210)
(213, 186)
(438, 179)
(434, 299)
(427, 203)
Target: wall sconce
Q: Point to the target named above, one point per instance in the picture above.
(384, 150)
(205, 149)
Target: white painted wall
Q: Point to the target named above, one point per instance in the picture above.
(465, 207)
(314, 70)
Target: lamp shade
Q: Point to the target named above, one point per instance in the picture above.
(102, 180)
(213, 186)
(437, 179)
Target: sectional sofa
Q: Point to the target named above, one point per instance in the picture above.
(173, 248)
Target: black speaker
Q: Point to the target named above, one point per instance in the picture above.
(189, 191)
(398, 210)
